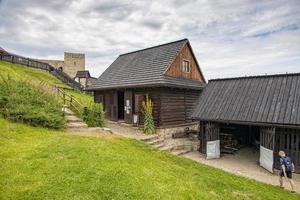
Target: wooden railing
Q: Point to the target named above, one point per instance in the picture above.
(65, 78)
(69, 100)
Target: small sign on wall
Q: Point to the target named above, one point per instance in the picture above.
(127, 107)
(135, 119)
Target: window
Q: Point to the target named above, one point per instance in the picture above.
(186, 66)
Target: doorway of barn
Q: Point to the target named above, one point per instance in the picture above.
(243, 141)
(120, 105)
(234, 137)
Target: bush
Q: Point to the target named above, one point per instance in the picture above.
(94, 116)
(21, 101)
(148, 117)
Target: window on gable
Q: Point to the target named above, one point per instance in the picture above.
(186, 66)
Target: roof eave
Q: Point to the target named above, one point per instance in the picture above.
(146, 85)
(246, 122)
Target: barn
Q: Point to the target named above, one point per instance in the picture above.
(262, 111)
(168, 74)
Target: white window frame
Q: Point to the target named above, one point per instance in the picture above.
(186, 68)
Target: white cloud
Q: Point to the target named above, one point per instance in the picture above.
(236, 38)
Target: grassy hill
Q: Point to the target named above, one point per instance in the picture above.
(26, 95)
(39, 76)
(42, 163)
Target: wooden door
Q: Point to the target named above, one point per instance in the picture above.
(111, 105)
(212, 136)
(288, 140)
(267, 137)
(138, 108)
(267, 144)
(128, 106)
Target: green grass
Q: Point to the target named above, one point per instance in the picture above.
(20, 101)
(38, 76)
(37, 163)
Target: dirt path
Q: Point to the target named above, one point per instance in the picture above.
(126, 131)
(243, 163)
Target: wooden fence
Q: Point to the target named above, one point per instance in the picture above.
(65, 78)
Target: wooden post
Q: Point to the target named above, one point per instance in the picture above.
(71, 100)
(12, 59)
(27, 61)
(64, 97)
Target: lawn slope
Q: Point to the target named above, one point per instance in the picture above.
(37, 163)
(39, 76)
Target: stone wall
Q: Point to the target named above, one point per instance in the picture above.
(73, 62)
(55, 63)
(167, 132)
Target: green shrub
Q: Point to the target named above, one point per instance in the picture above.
(149, 127)
(21, 101)
(94, 115)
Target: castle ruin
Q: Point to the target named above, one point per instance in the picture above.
(72, 63)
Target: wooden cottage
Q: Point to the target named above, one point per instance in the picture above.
(260, 110)
(168, 74)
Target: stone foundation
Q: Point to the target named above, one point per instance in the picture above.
(166, 132)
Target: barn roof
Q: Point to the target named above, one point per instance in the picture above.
(2, 51)
(273, 99)
(83, 74)
(145, 68)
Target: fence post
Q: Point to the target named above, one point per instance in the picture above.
(12, 59)
(71, 100)
(64, 96)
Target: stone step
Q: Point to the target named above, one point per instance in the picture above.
(149, 138)
(166, 148)
(76, 125)
(69, 112)
(158, 146)
(180, 152)
(155, 142)
(73, 118)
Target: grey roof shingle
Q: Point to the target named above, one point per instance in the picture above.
(144, 68)
(273, 99)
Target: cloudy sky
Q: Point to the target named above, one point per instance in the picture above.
(229, 38)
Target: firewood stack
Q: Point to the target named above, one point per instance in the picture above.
(227, 143)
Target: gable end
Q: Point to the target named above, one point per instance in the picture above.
(176, 68)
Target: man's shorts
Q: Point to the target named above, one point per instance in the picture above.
(288, 174)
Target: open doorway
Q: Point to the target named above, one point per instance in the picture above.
(120, 105)
(234, 137)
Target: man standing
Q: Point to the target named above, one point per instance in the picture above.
(287, 167)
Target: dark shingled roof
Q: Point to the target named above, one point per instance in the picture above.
(83, 74)
(145, 68)
(2, 51)
(273, 99)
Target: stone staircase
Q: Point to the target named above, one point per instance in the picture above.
(177, 146)
(73, 122)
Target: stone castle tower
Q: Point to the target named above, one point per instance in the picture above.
(72, 63)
